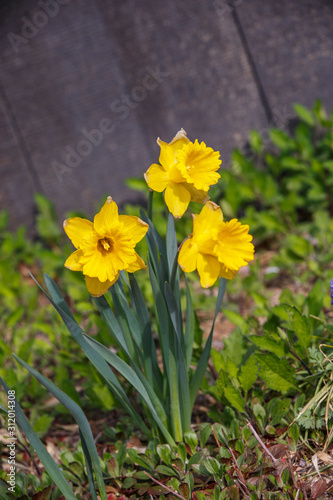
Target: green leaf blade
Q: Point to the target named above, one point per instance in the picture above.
(99, 363)
(138, 381)
(82, 422)
(235, 398)
(276, 372)
(248, 374)
(269, 344)
(202, 365)
(46, 459)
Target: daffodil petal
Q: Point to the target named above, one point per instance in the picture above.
(97, 288)
(208, 269)
(134, 227)
(78, 230)
(210, 218)
(107, 217)
(177, 198)
(169, 151)
(136, 265)
(187, 258)
(73, 261)
(180, 136)
(156, 177)
(197, 195)
(227, 273)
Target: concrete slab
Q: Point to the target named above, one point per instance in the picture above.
(18, 184)
(149, 68)
(292, 46)
(61, 85)
(209, 89)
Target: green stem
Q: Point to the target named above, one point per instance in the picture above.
(175, 407)
(150, 204)
(301, 361)
(326, 467)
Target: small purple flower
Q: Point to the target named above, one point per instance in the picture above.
(331, 285)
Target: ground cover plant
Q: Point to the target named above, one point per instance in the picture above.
(261, 426)
(285, 191)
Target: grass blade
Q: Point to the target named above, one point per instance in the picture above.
(189, 326)
(203, 361)
(152, 249)
(172, 254)
(80, 419)
(46, 459)
(55, 293)
(171, 242)
(90, 473)
(164, 323)
(128, 324)
(99, 363)
(153, 371)
(138, 381)
(169, 353)
(111, 322)
(156, 247)
(180, 377)
(174, 314)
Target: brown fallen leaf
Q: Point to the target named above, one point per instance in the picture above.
(325, 457)
(278, 450)
(111, 490)
(136, 444)
(318, 488)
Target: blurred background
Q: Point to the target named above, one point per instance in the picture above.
(86, 87)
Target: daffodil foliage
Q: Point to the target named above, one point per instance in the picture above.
(168, 389)
(105, 250)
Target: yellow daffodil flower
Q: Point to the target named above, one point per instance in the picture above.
(215, 248)
(185, 173)
(105, 246)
